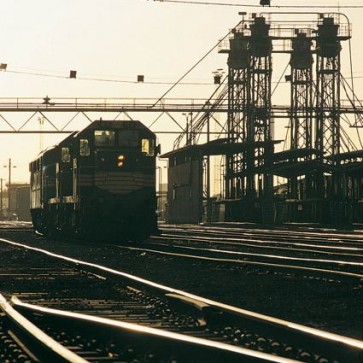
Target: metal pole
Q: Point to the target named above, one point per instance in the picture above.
(159, 189)
(209, 214)
(9, 186)
(1, 199)
(160, 181)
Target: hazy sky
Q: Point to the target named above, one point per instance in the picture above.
(115, 40)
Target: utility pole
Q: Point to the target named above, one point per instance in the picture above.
(9, 185)
(9, 166)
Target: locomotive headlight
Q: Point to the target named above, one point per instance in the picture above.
(120, 161)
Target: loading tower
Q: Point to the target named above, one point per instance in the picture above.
(248, 173)
(309, 163)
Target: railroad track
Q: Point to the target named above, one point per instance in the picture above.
(324, 267)
(288, 234)
(62, 283)
(63, 336)
(319, 255)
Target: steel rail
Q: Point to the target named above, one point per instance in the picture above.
(53, 351)
(263, 244)
(265, 240)
(242, 262)
(254, 245)
(268, 233)
(210, 347)
(329, 232)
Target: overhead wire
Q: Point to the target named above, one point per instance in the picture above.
(195, 65)
(352, 86)
(352, 101)
(209, 3)
(112, 79)
(40, 74)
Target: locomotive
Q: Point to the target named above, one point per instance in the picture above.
(97, 183)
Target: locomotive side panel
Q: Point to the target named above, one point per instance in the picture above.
(35, 184)
(36, 200)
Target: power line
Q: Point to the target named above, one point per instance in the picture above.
(315, 6)
(194, 66)
(40, 73)
(106, 79)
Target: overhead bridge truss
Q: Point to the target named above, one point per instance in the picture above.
(31, 111)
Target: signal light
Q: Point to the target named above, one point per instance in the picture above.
(265, 2)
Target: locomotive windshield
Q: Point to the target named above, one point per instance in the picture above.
(104, 138)
(124, 138)
(128, 138)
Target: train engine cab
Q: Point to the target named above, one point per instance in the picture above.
(97, 183)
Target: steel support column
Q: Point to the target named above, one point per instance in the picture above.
(260, 151)
(238, 99)
(328, 100)
(301, 106)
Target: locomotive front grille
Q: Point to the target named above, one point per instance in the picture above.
(122, 183)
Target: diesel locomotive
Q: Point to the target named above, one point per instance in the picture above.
(97, 183)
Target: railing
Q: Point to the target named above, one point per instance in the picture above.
(133, 104)
(101, 104)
